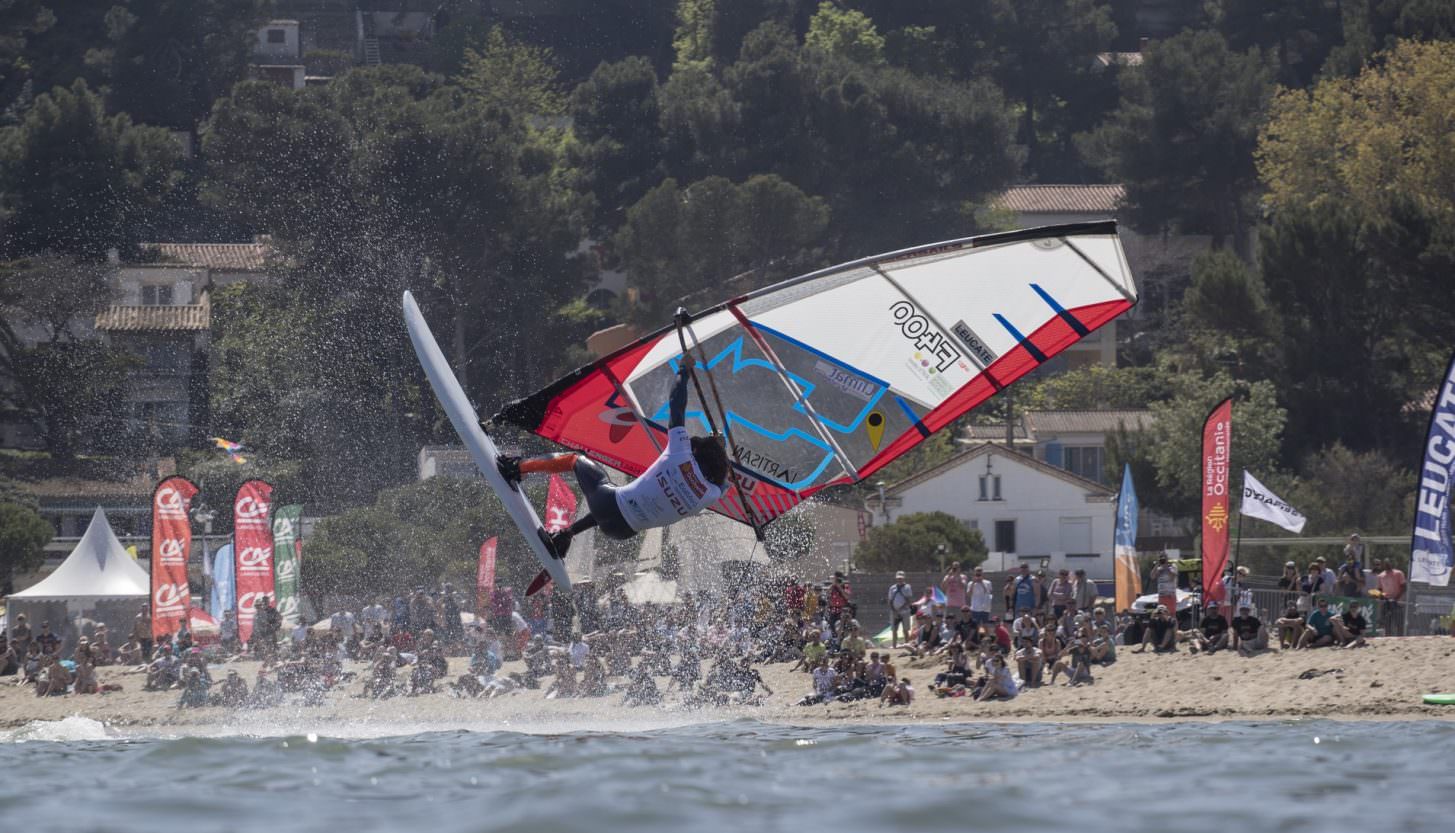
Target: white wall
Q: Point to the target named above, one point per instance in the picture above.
(1035, 500)
(287, 51)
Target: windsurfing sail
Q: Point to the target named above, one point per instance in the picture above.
(826, 378)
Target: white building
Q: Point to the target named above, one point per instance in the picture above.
(1027, 510)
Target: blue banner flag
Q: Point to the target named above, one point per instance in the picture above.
(1432, 555)
(224, 592)
(1128, 577)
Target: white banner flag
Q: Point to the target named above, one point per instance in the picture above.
(1259, 502)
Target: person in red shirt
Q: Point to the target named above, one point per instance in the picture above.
(840, 598)
(1002, 635)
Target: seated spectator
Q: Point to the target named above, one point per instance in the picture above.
(33, 664)
(1290, 627)
(1029, 662)
(1161, 632)
(55, 680)
(956, 674)
(897, 693)
(194, 690)
(825, 683)
(565, 684)
(266, 691)
(86, 682)
(1349, 626)
(878, 672)
(381, 682)
(164, 671)
(1075, 661)
(1213, 636)
(999, 682)
(814, 652)
(1320, 629)
(9, 662)
(642, 690)
(129, 653)
(1025, 627)
(1103, 645)
(1248, 634)
(234, 692)
(1002, 635)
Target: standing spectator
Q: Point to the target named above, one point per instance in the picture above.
(901, 608)
(20, 635)
(1025, 591)
(1164, 578)
(1391, 587)
(980, 594)
(227, 631)
(141, 631)
(1350, 577)
(954, 586)
(372, 619)
(1083, 591)
(1290, 584)
(1061, 593)
(1328, 583)
(840, 599)
(1235, 590)
(1354, 549)
(453, 628)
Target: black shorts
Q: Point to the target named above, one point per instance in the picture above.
(601, 499)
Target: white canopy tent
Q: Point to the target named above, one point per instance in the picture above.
(98, 582)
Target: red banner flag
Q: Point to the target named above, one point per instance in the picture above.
(560, 505)
(171, 543)
(253, 544)
(1217, 450)
(485, 576)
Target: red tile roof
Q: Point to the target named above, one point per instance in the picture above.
(123, 318)
(1062, 199)
(226, 257)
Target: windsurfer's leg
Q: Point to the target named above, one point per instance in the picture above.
(514, 468)
(561, 539)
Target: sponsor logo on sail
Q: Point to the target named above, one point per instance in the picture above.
(937, 351)
(854, 385)
(978, 348)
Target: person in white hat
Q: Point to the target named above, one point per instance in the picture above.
(901, 608)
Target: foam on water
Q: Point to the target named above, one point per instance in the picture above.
(73, 728)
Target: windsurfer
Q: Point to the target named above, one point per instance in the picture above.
(687, 477)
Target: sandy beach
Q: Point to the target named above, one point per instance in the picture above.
(1382, 681)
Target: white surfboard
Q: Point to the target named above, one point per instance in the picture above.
(482, 448)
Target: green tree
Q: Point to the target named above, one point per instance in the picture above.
(1091, 388)
(692, 41)
(846, 33)
(1227, 319)
(1175, 438)
(619, 143)
(1341, 490)
(74, 180)
(1298, 33)
(66, 386)
(513, 77)
(23, 536)
(420, 533)
(679, 241)
(920, 541)
(165, 61)
(1373, 26)
(1182, 139)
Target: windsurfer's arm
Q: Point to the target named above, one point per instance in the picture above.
(678, 402)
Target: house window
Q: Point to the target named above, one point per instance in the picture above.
(1005, 536)
(1085, 461)
(990, 487)
(156, 296)
(277, 36)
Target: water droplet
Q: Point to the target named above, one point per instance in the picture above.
(313, 737)
(1316, 740)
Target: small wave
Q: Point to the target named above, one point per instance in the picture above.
(71, 728)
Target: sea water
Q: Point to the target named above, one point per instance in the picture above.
(77, 776)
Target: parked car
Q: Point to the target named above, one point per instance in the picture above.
(1189, 605)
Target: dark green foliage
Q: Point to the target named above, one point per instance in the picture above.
(1182, 139)
(23, 536)
(914, 542)
(75, 180)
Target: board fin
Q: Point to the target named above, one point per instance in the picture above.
(538, 583)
